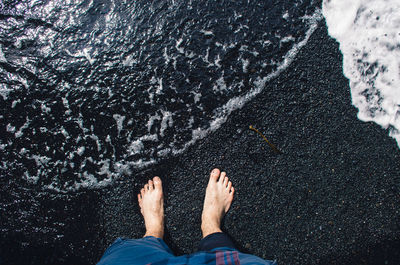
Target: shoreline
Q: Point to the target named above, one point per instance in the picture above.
(331, 197)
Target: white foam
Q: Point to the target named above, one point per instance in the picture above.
(64, 132)
(285, 15)
(246, 63)
(207, 32)
(220, 85)
(129, 60)
(105, 168)
(45, 108)
(150, 121)
(217, 61)
(196, 97)
(10, 128)
(2, 57)
(166, 56)
(287, 39)
(166, 121)
(15, 102)
(4, 91)
(178, 43)
(119, 119)
(164, 152)
(84, 53)
(80, 150)
(32, 179)
(40, 160)
(136, 147)
(98, 143)
(369, 38)
(19, 133)
(160, 86)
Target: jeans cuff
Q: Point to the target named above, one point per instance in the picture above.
(215, 240)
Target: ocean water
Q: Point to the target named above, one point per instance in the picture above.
(91, 90)
(369, 36)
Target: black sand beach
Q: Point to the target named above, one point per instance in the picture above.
(331, 197)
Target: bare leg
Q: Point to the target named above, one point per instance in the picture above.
(151, 204)
(218, 199)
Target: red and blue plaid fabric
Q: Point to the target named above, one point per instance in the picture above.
(154, 251)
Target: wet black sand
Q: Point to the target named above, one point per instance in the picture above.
(332, 197)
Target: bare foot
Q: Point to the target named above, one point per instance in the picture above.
(219, 196)
(151, 204)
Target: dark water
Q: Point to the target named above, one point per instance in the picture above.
(93, 89)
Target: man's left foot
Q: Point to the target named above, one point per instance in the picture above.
(151, 204)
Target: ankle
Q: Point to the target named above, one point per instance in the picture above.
(208, 229)
(158, 234)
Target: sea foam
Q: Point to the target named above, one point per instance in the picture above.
(369, 35)
(133, 91)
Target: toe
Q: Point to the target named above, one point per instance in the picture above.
(142, 192)
(157, 183)
(214, 175)
(151, 185)
(229, 185)
(139, 197)
(222, 177)
(226, 181)
(146, 187)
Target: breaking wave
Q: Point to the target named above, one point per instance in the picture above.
(369, 36)
(91, 90)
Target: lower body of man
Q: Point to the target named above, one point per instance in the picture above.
(214, 248)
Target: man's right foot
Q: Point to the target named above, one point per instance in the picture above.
(219, 196)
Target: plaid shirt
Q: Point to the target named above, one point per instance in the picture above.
(154, 251)
(217, 257)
